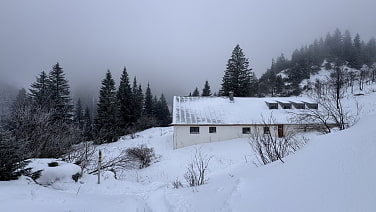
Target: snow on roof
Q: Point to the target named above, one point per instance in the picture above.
(221, 111)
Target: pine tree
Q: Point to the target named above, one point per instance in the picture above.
(137, 100)
(105, 123)
(348, 49)
(88, 125)
(254, 91)
(79, 115)
(21, 99)
(148, 108)
(357, 58)
(12, 156)
(59, 94)
(206, 90)
(39, 91)
(237, 77)
(164, 112)
(196, 92)
(124, 96)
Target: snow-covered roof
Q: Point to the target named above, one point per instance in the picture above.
(221, 111)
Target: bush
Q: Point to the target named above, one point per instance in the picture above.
(76, 176)
(196, 173)
(12, 157)
(177, 184)
(141, 153)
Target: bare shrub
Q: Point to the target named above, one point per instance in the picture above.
(83, 155)
(141, 153)
(196, 169)
(269, 147)
(177, 184)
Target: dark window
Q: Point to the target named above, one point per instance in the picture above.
(273, 107)
(286, 106)
(195, 130)
(299, 106)
(246, 130)
(266, 130)
(212, 129)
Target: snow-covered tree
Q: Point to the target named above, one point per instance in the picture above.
(237, 77)
(59, 94)
(137, 100)
(124, 97)
(39, 91)
(148, 106)
(196, 92)
(206, 90)
(12, 156)
(106, 121)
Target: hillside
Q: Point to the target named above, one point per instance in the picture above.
(334, 172)
(334, 51)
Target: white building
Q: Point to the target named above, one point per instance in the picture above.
(208, 119)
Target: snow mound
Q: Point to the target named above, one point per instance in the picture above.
(62, 173)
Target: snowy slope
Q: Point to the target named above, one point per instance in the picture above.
(334, 172)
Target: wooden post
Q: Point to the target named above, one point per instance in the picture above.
(99, 166)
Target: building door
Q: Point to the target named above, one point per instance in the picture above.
(280, 131)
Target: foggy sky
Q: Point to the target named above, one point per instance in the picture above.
(175, 45)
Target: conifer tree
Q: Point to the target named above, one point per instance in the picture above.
(357, 60)
(196, 92)
(78, 114)
(88, 125)
(39, 91)
(148, 108)
(163, 112)
(12, 156)
(237, 77)
(59, 94)
(21, 99)
(124, 96)
(206, 90)
(105, 123)
(137, 100)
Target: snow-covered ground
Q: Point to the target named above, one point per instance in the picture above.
(334, 172)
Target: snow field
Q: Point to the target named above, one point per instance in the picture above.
(334, 172)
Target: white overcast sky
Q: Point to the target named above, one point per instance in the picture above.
(175, 45)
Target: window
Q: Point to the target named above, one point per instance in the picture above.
(246, 130)
(266, 130)
(194, 130)
(212, 129)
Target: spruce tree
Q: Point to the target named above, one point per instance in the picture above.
(59, 94)
(124, 96)
(206, 90)
(106, 121)
(78, 114)
(163, 112)
(12, 156)
(21, 99)
(237, 77)
(196, 92)
(137, 100)
(357, 60)
(88, 125)
(39, 91)
(148, 108)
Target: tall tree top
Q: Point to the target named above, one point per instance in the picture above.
(237, 77)
(206, 90)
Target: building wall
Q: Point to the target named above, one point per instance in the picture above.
(183, 137)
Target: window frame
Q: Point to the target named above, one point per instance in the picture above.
(246, 130)
(212, 129)
(266, 130)
(194, 130)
